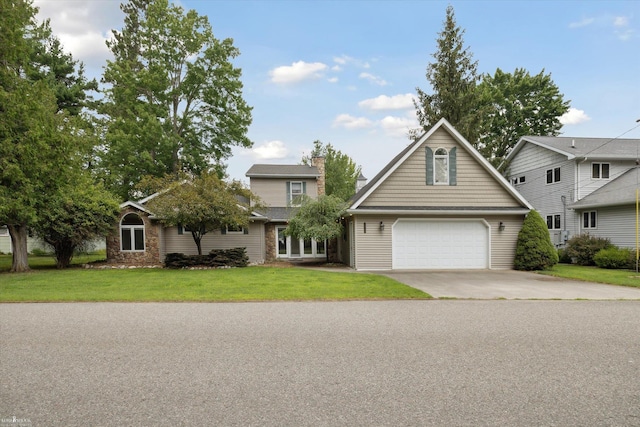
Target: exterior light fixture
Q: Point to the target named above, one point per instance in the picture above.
(381, 226)
(501, 226)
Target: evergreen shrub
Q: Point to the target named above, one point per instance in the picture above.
(216, 258)
(534, 250)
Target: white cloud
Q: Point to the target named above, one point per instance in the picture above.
(336, 68)
(342, 60)
(384, 102)
(267, 151)
(373, 79)
(583, 23)
(620, 21)
(297, 72)
(349, 122)
(333, 80)
(398, 126)
(574, 117)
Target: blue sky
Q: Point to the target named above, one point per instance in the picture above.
(344, 72)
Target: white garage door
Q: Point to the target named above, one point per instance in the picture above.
(440, 244)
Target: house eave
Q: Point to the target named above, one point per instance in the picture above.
(439, 211)
(281, 176)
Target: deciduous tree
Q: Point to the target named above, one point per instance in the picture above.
(516, 104)
(341, 172)
(201, 204)
(173, 100)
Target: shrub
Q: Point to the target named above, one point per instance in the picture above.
(615, 258)
(534, 250)
(216, 258)
(40, 252)
(563, 256)
(584, 247)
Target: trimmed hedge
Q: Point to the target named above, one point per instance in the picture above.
(534, 250)
(616, 258)
(216, 258)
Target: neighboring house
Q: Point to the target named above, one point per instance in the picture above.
(140, 238)
(437, 205)
(33, 243)
(579, 185)
(279, 187)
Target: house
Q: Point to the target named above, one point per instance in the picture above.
(279, 187)
(140, 238)
(36, 244)
(437, 205)
(579, 185)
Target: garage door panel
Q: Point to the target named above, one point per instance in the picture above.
(440, 244)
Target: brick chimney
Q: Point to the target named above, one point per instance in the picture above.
(318, 162)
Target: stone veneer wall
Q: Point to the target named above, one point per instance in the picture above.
(151, 254)
(318, 162)
(270, 238)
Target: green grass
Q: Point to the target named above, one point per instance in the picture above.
(238, 284)
(47, 262)
(595, 274)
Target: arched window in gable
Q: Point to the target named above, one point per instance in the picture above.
(132, 233)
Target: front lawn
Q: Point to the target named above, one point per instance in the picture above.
(237, 284)
(595, 274)
(46, 262)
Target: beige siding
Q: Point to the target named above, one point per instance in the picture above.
(373, 249)
(183, 243)
(273, 192)
(406, 186)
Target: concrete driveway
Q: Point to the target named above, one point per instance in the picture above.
(508, 284)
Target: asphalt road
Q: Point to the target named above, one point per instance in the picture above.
(387, 363)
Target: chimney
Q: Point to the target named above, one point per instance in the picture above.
(318, 162)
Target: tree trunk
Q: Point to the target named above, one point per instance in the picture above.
(197, 237)
(18, 235)
(64, 254)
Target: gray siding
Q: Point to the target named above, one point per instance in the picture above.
(273, 191)
(587, 185)
(407, 185)
(183, 243)
(373, 249)
(616, 223)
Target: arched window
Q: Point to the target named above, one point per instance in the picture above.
(441, 169)
(132, 233)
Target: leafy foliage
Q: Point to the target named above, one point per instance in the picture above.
(73, 215)
(202, 204)
(453, 77)
(584, 247)
(615, 258)
(515, 105)
(534, 250)
(216, 258)
(341, 172)
(174, 100)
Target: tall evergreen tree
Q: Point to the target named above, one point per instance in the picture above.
(341, 172)
(514, 105)
(453, 77)
(174, 99)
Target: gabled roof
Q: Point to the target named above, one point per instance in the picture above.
(620, 191)
(282, 171)
(368, 189)
(136, 205)
(596, 148)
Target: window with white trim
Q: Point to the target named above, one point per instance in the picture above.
(553, 175)
(589, 219)
(441, 166)
(132, 233)
(600, 170)
(235, 229)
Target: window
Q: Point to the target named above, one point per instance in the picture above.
(295, 189)
(441, 166)
(517, 180)
(589, 219)
(441, 162)
(600, 170)
(553, 175)
(554, 222)
(235, 229)
(132, 233)
(4, 230)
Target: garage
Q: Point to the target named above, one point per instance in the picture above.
(440, 244)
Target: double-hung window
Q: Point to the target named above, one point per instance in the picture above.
(600, 170)
(553, 175)
(554, 222)
(589, 219)
(295, 189)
